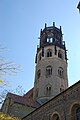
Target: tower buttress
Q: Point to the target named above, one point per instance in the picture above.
(51, 64)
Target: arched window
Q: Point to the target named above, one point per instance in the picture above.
(48, 90)
(48, 71)
(75, 112)
(60, 72)
(55, 117)
(49, 53)
(78, 113)
(49, 40)
(60, 55)
(38, 74)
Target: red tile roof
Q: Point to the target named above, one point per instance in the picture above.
(27, 99)
(29, 93)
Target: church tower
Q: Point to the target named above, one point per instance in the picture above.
(51, 64)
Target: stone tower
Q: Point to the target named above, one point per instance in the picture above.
(51, 64)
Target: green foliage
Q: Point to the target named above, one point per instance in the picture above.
(7, 117)
(1, 82)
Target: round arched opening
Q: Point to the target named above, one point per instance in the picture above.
(75, 112)
(55, 117)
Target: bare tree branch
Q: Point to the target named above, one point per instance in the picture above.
(6, 68)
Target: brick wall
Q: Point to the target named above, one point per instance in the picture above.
(60, 106)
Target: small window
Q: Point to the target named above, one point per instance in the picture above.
(49, 53)
(60, 72)
(38, 74)
(48, 90)
(60, 55)
(61, 88)
(48, 71)
(55, 117)
(49, 40)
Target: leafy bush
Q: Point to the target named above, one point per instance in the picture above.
(7, 117)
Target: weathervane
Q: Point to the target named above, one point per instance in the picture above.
(78, 6)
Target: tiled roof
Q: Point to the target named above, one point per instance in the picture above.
(27, 99)
(17, 98)
(29, 93)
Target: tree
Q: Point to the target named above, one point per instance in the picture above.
(6, 68)
(7, 117)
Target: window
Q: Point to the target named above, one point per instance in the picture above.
(61, 88)
(49, 53)
(75, 112)
(48, 90)
(48, 71)
(55, 117)
(60, 72)
(60, 55)
(78, 113)
(49, 40)
(38, 74)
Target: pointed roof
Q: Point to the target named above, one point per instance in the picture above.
(26, 99)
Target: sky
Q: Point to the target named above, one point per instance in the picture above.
(20, 24)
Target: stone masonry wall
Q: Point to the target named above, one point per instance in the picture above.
(61, 105)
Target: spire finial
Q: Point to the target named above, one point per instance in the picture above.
(53, 24)
(45, 25)
(41, 32)
(60, 29)
(78, 6)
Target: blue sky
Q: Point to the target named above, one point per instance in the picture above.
(20, 24)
